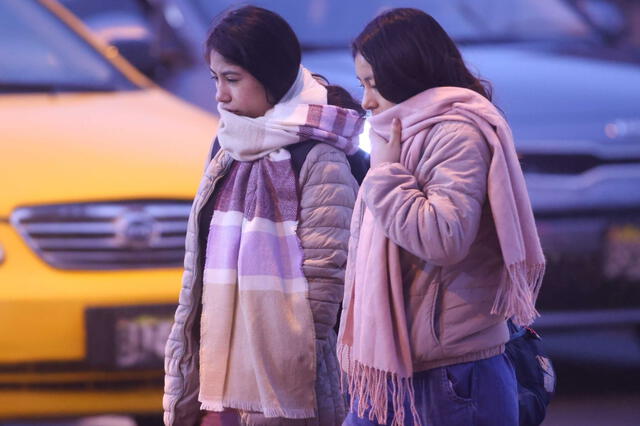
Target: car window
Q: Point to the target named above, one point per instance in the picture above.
(38, 52)
(112, 20)
(84, 8)
(618, 22)
(334, 23)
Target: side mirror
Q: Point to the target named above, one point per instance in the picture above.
(138, 52)
(130, 34)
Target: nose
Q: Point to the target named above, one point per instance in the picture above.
(222, 93)
(368, 100)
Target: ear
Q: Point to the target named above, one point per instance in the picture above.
(270, 98)
(320, 79)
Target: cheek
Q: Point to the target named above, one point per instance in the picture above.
(384, 103)
(239, 95)
(259, 94)
(251, 100)
(249, 94)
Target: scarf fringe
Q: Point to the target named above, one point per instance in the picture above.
(372, 388)
(516, 296)
(288, 413)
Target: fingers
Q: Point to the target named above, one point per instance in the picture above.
(396, 131)
(395, 136)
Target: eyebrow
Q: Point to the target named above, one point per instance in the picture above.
(226, 73)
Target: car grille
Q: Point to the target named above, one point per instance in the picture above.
(146, 381)
(109, 235)
(591, 260)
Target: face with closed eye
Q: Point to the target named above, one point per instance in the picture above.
(237, 91)
(372, 100)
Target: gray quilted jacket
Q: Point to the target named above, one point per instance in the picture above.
(327, 195)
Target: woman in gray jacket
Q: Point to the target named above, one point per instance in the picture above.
(253, 340)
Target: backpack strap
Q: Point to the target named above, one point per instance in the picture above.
(360, 163)
(299, 152)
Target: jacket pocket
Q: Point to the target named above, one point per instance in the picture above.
(458, 381)
(434, 320)
(422, 311)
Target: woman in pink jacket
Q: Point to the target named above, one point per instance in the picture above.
(443, 246)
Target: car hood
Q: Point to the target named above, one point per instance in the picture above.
(550, 96)
(100, 146)
(545, 94)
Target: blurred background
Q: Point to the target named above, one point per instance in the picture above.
(107, 113)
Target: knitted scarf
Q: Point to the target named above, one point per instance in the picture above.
(374, 346)
(257, 336)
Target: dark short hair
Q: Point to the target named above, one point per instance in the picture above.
(410, 52)
(261, 42)
(339, 96)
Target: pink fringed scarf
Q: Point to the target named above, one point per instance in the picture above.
(374, 346)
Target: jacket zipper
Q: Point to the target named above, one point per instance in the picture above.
(194, 266)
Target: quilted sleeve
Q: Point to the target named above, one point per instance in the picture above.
(328, 193)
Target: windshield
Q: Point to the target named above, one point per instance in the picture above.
(335, 23)
(39, 53)
(617, 22)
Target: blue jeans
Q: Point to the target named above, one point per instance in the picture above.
(474, 393)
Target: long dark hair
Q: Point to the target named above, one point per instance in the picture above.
(261, 42)
(410, 52)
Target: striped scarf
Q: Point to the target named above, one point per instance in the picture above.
(257, 337)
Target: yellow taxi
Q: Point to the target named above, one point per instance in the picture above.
(97, 169)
